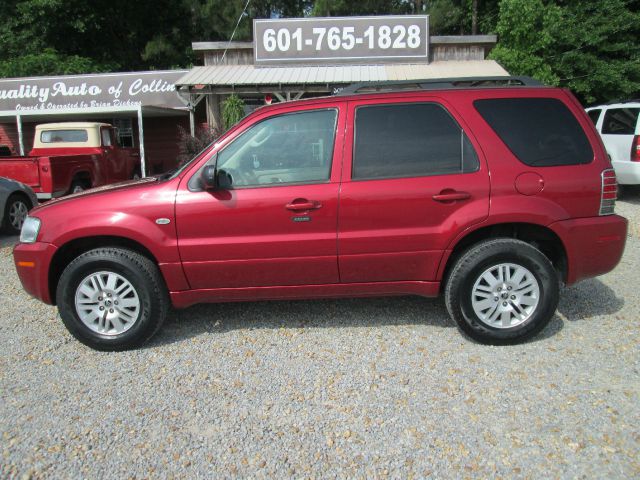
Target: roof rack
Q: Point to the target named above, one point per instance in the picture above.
(625, 100)
(439, 84)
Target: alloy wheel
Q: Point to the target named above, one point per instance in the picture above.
(107, 303)
(505, 295)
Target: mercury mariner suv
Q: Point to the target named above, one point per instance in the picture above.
(492, 192)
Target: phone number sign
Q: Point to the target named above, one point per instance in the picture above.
(399, 38)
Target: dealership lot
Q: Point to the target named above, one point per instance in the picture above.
(344, 388)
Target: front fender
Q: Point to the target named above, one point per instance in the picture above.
(160, 240)
(127, 211)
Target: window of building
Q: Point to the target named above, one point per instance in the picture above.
(125, 131)
(409, 140)
(620, 121)
(540, 132)
(286, 149)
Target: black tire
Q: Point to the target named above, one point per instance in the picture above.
(15, 203)
(142, 274)
(478, 259)
(78, 186)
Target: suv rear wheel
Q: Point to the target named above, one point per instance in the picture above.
(112, 299)
(502, 291)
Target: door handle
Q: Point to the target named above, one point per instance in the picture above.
(451, 196)
(300, 204)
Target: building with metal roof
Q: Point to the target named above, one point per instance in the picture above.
(229, 67)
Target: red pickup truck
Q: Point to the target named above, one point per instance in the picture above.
(71, 157)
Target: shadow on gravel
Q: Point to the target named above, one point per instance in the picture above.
(630, 194)
(8, 240)
(586, 300)
(340, 313)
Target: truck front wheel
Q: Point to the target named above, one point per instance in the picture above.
(112, 299)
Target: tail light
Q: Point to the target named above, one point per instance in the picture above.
(609, 192)
(635, 149)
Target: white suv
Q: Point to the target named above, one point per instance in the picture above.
(619, 128)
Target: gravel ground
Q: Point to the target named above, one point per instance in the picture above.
(348, 388)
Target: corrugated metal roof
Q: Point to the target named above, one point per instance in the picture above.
(323, 74)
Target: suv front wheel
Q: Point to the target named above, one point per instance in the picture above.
(112, 299)
(502, 291)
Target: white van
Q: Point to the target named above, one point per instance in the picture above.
(619, 128)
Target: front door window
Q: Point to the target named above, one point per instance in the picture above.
(288, 149)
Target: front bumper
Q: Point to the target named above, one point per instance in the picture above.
(594, 245)
(32, 261)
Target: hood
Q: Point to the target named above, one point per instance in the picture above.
(9, 186)
(126, 185)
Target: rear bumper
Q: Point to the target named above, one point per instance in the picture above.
(32, 262)
(594, 245)
(627, 173)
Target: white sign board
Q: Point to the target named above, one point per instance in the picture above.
(393, 38)
(90, 91)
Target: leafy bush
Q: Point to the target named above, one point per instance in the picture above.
(189, 147)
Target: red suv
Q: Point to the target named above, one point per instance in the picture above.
(492, 194)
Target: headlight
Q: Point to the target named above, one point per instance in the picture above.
(30, 229)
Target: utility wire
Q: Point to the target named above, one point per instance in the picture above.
(234, 30)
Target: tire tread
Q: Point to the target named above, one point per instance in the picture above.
(148, 270)
(469, 258)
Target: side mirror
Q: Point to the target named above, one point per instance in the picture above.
(225, 181)
(213, 179)
(209, 177)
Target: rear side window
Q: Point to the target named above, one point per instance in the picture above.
(620, 121)
(63, 136)
(594, 115)
(409, 140)
(540, 132)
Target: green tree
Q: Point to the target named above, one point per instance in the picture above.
(72, 36)
(215, 20)
(588, 46)
(336, 8)
(459, 17)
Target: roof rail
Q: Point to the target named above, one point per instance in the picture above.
(626, 100)
(439, 84)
